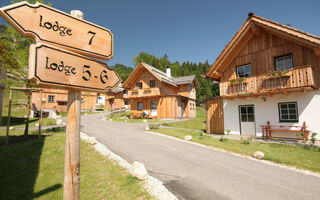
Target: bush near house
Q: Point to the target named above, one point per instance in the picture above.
(33, 168)
(304, 157)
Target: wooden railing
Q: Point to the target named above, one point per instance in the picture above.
(296, 78)
(146, 92)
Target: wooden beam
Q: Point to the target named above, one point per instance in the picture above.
(1, 103)
(40, 119)
(26, 129)
(317, 51)
(8, 119)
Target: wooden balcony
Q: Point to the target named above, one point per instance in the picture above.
(300, 77)
(146, 92)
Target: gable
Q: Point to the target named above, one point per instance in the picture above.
(261, 50)
(253, 27)
(145, 77)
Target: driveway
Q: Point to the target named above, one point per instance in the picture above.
(194, 172)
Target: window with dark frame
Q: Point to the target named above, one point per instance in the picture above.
(139, 85)
(51, 99)
(244, 71)
(125, 91)
(283, 63)
(126, 102)
(152, 84)
(288, 112)
(140, 105)
(246, 113)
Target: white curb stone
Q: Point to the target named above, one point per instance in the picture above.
(139, 171)
(258, 155)
(188, 137)
(154, 186)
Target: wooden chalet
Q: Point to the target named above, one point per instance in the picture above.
(57, 99)
(114, 99)
(162, 96)
(267, 72)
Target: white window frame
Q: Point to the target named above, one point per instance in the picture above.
(286, 112)
(244, 70)
(51, 98)
(283, 62)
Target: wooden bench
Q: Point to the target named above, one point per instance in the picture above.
(268, 129)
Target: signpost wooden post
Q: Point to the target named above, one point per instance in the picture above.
(62, 59)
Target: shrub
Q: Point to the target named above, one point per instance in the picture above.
(154, 126)
(246, 140)
(200, 135)
(313, 138)
(223, 139)
(228, 131)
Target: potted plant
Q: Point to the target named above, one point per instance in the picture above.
(276, 74)
(237, 81)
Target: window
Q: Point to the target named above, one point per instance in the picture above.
(126, 102)
(51, 99)
(244, 71)
(139, 85)
(140, 105)
(125, 91)
(283, 62)
(246, 113)
(288, 112)
(153, 105)
(152, 84)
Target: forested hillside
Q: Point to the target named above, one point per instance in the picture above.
(206, 89)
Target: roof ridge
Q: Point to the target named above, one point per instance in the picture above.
(289, 27)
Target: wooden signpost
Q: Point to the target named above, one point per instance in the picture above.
(60, 59)
(52, 66)
(46, 24)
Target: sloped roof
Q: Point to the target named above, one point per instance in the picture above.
(117, 89)
(249, 27)
(175, 81)
(184, 79)
(160, 74)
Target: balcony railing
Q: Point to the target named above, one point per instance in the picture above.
(296, 78)
(146, 92)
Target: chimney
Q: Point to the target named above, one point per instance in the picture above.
(168, 72)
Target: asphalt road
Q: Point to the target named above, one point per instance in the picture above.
(194, 172)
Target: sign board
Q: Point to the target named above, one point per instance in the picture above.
(52, 66)
(46, 24)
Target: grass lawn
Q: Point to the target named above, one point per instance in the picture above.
(118, 117)
(298, 156)
(34, 169)
(197, 123)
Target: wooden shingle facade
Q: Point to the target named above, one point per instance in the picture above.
(162, 96)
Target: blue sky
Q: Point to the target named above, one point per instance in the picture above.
(185, 30)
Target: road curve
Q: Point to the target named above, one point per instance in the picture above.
(194, 172)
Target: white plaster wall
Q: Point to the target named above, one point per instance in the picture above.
(308, 108)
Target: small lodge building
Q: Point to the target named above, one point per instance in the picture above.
(162, 96)
(57, 99)
(267, 72)
(114, 99)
